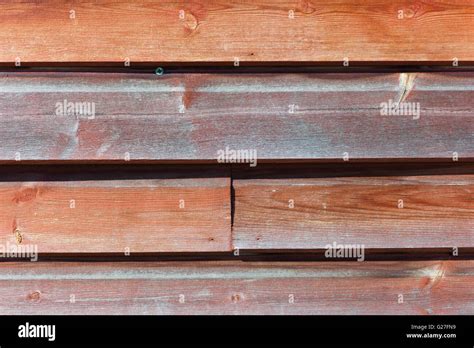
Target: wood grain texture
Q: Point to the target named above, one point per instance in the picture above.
(190, 117)
(232, 287)
(310, 207)
(150, 210)
(148, 31)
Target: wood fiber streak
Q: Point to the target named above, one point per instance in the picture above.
(401, 210)
(190, 117)
(256, 31)
(87, 215)
(428, 287)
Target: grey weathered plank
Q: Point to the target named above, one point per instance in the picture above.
(193, 116)
(233, 287)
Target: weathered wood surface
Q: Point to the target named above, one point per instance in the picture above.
(117, 210)
(379, 207)
(232, 287)
(148, 31)
(193, 116)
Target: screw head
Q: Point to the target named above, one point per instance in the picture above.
(159, 71)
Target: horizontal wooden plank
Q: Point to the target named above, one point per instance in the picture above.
(311, 207)
(148, 31)
(423, 287)
(195, 117)
(115, 210)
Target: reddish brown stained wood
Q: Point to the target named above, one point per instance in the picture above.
(313, 208)
(428, 287)
(252, 31)
(190, 117)
(155, 213)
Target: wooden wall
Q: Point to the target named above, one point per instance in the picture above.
(127, 206)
